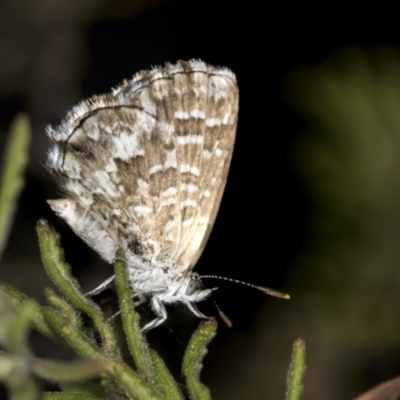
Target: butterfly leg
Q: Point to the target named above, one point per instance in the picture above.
(140, 299)
(161, 314)
(195, 310)
(101, 287)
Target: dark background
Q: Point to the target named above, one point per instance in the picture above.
(54, 54)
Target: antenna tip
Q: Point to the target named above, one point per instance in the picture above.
(274, 293)
(225, 318)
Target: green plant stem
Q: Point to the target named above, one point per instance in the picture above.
(19, 300)
(296, 371)
(12, 181)
(165, 380)
(136, 343)
(194, 355)
(68, 371)
(62, 305)
(130, 381)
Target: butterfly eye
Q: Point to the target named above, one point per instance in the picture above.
(193, 286)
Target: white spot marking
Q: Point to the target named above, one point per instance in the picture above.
(169, 201)
(106, 183)
(148, 105)
(143, 188)
(204, 220)
(188, 203)
(171, 237)
(171, 191)
(213, 122)
(111, 167)
(207, 154)
(171, 161)
(53, 156)
(187, 222)
(217, 87)
(197, 114)
(195, 139)
(206, 193)
(219, 152)
(166, 131)
(225, 120)
(189, 187)
(86, 201)
(181, 115)
(191, 169)
(155, 168)
(126, 146)
(168, 226)
(142, 211)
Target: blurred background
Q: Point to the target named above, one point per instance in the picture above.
(312, 204)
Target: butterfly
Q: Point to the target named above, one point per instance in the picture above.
(143, 168)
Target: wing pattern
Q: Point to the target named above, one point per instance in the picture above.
(144, 167)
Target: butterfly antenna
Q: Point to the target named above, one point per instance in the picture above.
(270, 292)
(223, 316)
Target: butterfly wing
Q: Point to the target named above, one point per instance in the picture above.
(144, 167)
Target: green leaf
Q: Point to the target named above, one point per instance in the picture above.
(12, 181)
(63, 306)
(60, 272)
(119, 372)
(14, 372)
(165, 380)
(87, 388)
(133, 384)
(18, 330)
(76, 339)
(14, 368)
(136, 342)
(192, 361)
(68, 371)
(296, 371)
(19, 300)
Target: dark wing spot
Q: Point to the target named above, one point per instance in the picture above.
(82, 150)
(136, 247)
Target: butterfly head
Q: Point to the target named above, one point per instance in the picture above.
(189, 289)
(193, 288)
